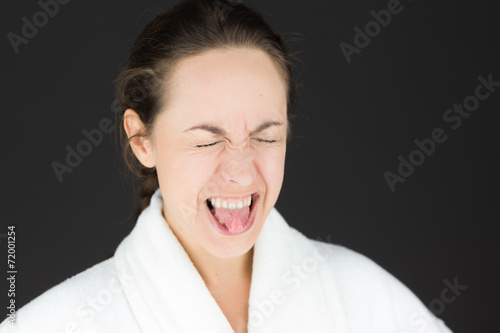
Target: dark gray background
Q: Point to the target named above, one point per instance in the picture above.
(352, 122)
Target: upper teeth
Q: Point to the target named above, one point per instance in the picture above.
(218, 203)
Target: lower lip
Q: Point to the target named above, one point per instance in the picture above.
(248, 223)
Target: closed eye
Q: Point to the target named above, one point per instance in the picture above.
(207, 145)
(213, 143)
(266, 141)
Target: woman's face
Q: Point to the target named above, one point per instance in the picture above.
(232, 100)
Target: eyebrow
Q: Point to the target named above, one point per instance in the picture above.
(212, 128)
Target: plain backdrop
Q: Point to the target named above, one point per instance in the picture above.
(352, 122)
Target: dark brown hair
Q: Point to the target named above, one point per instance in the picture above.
(189, 28)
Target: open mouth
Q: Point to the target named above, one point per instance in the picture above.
(240, 220)
(211, 207)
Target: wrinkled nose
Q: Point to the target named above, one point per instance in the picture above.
(238, 166)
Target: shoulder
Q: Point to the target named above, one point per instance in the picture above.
(348, 267)
(366, 291)
(343, 260)
(76, 303)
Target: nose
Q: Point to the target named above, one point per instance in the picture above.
(237, 166)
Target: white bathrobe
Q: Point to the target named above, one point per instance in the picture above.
(298, 285)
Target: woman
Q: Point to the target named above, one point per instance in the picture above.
(205, 98)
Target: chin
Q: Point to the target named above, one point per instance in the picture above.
(233, 247)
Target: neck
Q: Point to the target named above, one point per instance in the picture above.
(216, 270)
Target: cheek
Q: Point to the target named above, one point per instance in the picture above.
(183, 183)
(179, 177)
(272, 167)
(191, 176)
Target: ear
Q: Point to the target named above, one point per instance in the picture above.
(140, 145)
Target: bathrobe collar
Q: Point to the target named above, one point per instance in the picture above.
(167, 294)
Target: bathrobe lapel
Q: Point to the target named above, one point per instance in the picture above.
(286, 294)
(166, 293)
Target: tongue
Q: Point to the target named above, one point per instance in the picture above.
(233, 218)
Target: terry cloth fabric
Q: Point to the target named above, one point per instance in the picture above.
(298, 285)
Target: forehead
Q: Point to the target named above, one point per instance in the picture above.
(226, 85)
